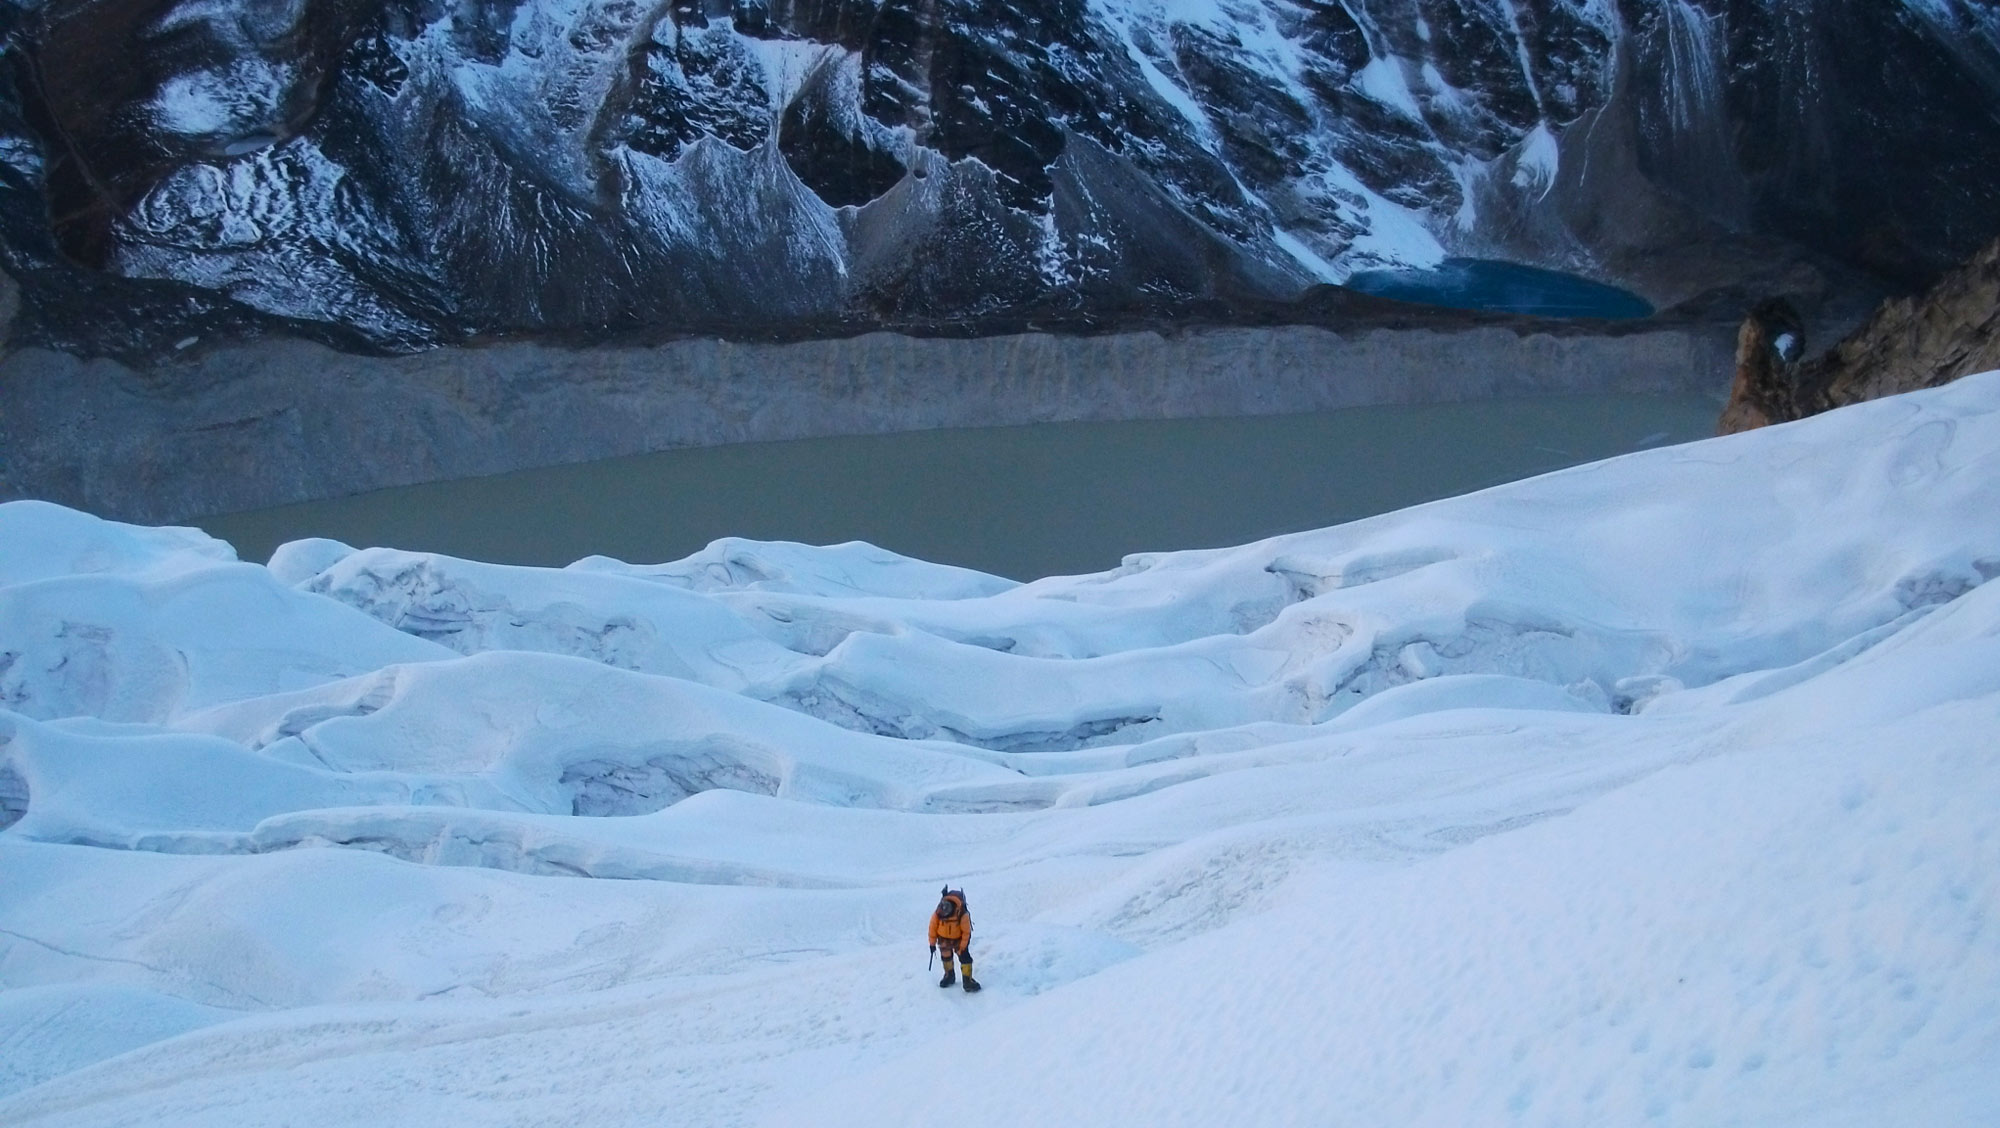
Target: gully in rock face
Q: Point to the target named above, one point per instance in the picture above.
(387, 174)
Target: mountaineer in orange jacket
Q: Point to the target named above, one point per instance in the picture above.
(951, 934)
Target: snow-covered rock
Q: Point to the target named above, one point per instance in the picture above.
(397, 175)
(1660, 788)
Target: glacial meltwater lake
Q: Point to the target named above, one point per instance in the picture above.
(1024, 502)
(1484, 284)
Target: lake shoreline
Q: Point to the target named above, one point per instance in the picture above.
(275, 422)
(1021, 501)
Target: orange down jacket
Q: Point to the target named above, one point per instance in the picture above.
(955, 932)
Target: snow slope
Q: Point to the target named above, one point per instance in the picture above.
(1658, 789)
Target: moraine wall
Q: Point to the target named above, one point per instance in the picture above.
(271, 422)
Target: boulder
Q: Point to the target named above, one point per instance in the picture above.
(1952, 330)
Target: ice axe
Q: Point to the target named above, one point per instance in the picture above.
(932, 958)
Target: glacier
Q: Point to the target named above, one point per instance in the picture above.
(1658, 789)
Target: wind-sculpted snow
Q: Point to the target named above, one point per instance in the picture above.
(855, 569)
(1656, 788)
(138, 625)
(45, 542)
(1294, 630)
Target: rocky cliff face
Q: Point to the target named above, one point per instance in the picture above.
(10, 305)
(396, 173)
(1910, 343)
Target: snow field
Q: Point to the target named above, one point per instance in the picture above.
(1658, 790)
(1794, 932)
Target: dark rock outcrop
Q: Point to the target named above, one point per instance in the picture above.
(1910, 343)
(1952, 331)
(10, 304)
(389, 174)
(1766, 386)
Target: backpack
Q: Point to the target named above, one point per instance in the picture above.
(962, 908)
